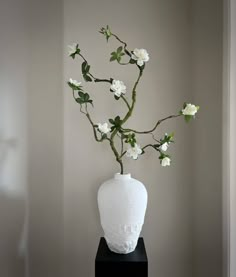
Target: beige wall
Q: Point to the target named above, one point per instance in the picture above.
(13, 137)
(207, 92)
(183, 223)
(45, 19)
(163, 28)
(185, 46)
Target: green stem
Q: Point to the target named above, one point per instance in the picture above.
(126, 102)
(129, 113)
(118, 159)
(127, 116)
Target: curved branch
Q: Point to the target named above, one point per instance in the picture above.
(124, 43)
(129, 113)
(97, 80)
(153, 129)
(150, 145)
(126, 102)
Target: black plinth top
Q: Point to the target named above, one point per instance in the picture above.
(104, 254)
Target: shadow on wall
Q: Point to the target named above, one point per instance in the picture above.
(12, 213)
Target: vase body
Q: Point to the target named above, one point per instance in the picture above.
(122, 203)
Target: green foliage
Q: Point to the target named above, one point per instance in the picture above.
(188, 117)
(126, 135)
(84, 98)
(163, 155)
(167, 138)
(116, 123)
(77, 52)
(85, 71)
(130, 138)
(106, 32)
(117, 55)
(74, 87)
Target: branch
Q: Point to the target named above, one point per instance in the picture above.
(121, 156)
(124, 43)
(96, 80)
(126, 102)
(94, 126)
(129, 113)
(150, 145)
(153, 129)
(118, 158)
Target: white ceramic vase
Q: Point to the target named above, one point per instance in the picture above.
(122, 203)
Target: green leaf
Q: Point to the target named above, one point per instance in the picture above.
(188, 118)
(117, 119)
(85, 68)
(106, 32)
(79, 100)
(86, 97)
(113, 58)
(87, 78)
(111, 121)
(90, 101)
(116, 97)
(81, 94)
(119, 50)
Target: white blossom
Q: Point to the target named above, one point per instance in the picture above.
(165, 161)
(164, 146)
(103, 128)
(190, 110)
(141, 56)
(134, 152)
(74, 82)
(118, 87)
(72, 49)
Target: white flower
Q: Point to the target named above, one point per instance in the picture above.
(141, 56)
(165, 161)
(190, 110)
(103, 128)
(164, 146)
(134, 152)
(72, 49)
(118, 87)
(74, 82)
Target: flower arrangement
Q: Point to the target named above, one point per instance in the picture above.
(105, 132)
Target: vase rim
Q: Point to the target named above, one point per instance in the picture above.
(119, 176)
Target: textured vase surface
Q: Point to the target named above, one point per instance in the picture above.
(122, 203)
